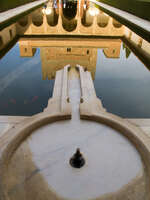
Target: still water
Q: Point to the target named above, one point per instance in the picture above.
(122, 83)
(22, 91)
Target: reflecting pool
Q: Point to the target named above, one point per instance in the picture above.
(123, 84)
(28, 69)
(22, 91)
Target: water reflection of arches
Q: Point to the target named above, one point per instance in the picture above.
(7, 35)
(69, 25)
(37, 17)
(87, 18)
(102, 20)
(69, 9)
(116, 24)
(23, 24)
(69, 12)
(89, 22)
(23, 21)
(10, 34)
(1, 41)
(52, 18)
(55, 54)
(55, 58)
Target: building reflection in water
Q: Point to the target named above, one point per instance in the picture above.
(69, 18)
(64, 39)
(55, 54)
(54, 19)
(84, 20)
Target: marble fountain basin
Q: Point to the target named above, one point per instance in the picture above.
(36, 164)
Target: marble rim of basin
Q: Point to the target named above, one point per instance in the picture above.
(21, 131)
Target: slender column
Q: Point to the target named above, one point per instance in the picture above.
(94, 26)
(45, 23)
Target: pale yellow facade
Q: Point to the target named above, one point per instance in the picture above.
(55, 54)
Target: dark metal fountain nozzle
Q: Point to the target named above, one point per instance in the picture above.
(77, 160)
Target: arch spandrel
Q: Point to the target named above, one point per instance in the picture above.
(52, 19)
(102, 20)
(117, 24)
(113, 51)
(23, 22)
(87, 19)
(37, 17)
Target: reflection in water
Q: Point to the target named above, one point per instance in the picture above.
(121, 81)
(52, 18)
(52, 13)
(69, 25)
(102, 20)
(123, 85)
(23, 21)
(22, 90)
(127, 50)
(37, 17)
(83, 53)
(69, 9)
(127, 96)
(55, 58)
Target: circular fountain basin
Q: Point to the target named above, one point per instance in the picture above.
(40, 166)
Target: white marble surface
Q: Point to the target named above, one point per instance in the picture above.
(111, 160)
(3, 127)
(4, 16)
(142, 23)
